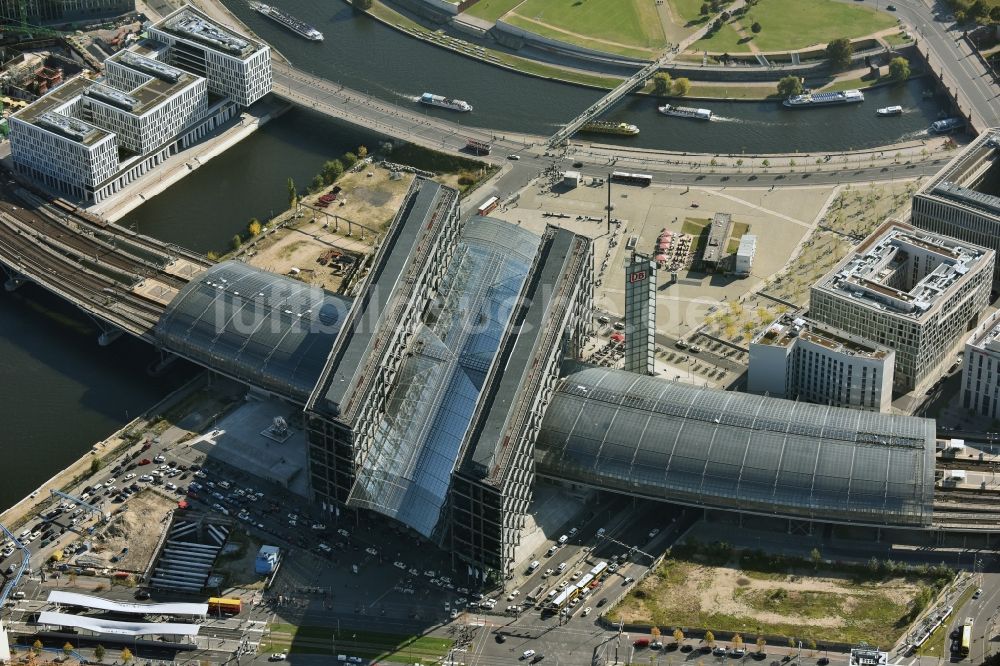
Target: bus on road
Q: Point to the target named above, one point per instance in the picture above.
(224, 606)
(488, 206)
(965, 639)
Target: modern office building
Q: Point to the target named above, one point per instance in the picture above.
(799, 359)
(89, 139)
(640, 314)
(429, 404)
(234, 65)
(963, 199)
(909, 290)
(981, 369)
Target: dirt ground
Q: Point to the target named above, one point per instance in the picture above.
(825, 605)
(138, 528)
(321, 248)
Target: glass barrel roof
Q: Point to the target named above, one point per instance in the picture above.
(264, 329)
(705, 447)
(417, 442)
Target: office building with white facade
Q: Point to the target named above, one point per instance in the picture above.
(912, 291)
(963, 199)
(89, 139)
(981, 369)
(234, 65)
(798, 359)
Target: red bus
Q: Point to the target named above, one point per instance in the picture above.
(488, 206)
(478, 147)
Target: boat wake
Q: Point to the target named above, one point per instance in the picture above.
(725, 119)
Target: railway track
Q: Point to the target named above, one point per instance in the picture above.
(972, 463)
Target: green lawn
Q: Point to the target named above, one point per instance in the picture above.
(632, 23)
(687, 10)
(739, 229)
(796, 24)
(725, 40)
(491, 10)
(897, 39)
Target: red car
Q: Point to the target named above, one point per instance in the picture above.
(641, 643)
(145, 461)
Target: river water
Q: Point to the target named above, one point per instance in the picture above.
(63, 392)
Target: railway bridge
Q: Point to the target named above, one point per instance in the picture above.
(120, 279)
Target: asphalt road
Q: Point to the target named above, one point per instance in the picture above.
(952, 53)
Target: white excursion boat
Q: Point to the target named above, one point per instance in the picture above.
(889, 111)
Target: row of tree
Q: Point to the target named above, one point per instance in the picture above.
(333, 169)
(899, 70)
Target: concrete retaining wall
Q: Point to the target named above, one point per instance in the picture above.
(549, 44)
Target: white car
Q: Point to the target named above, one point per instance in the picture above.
(399, 565)
(159, 459)
(586, 611)
(129, 476)
(528, 654)
(371, 551)
(318, 526)
(278, 656)
(654, 532)
(170, 486)
(576, 575)
(344, 533)
(561, 567)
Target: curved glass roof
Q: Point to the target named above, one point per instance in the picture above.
(659, 438)
(417, 443)
(264, 329)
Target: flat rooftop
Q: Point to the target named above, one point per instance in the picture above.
(191, 25)
(397, 264)
(44, 113)
(718, 236)
(789, 328)
(987, 336)
(561, 260)
(884, 275)
(163, 81)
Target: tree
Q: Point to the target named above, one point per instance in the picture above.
(737, 642)
(705, 9)
(979, 10)
(99, 652)
(236, 242)
(36, 647)
(654, 633)
(839, 51)
(332, 170)
(765, 163)
(363, 5)
(95, 465)
(293, 194)
(709, 638)
(349, 160)
(679, 635)
(899, 69)
(756, 27)
(255, 227)
(761, 644)
(815, 557)
(680, 87)
(995, 14)
(126, 655)
(362, 152)
(317, 183)
(789, 86)
(661, 84)
(68, 649)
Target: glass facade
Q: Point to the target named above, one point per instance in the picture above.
(264, 329)
(407, 471)
(720, 449)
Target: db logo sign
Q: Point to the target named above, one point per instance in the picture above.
(637, 277)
